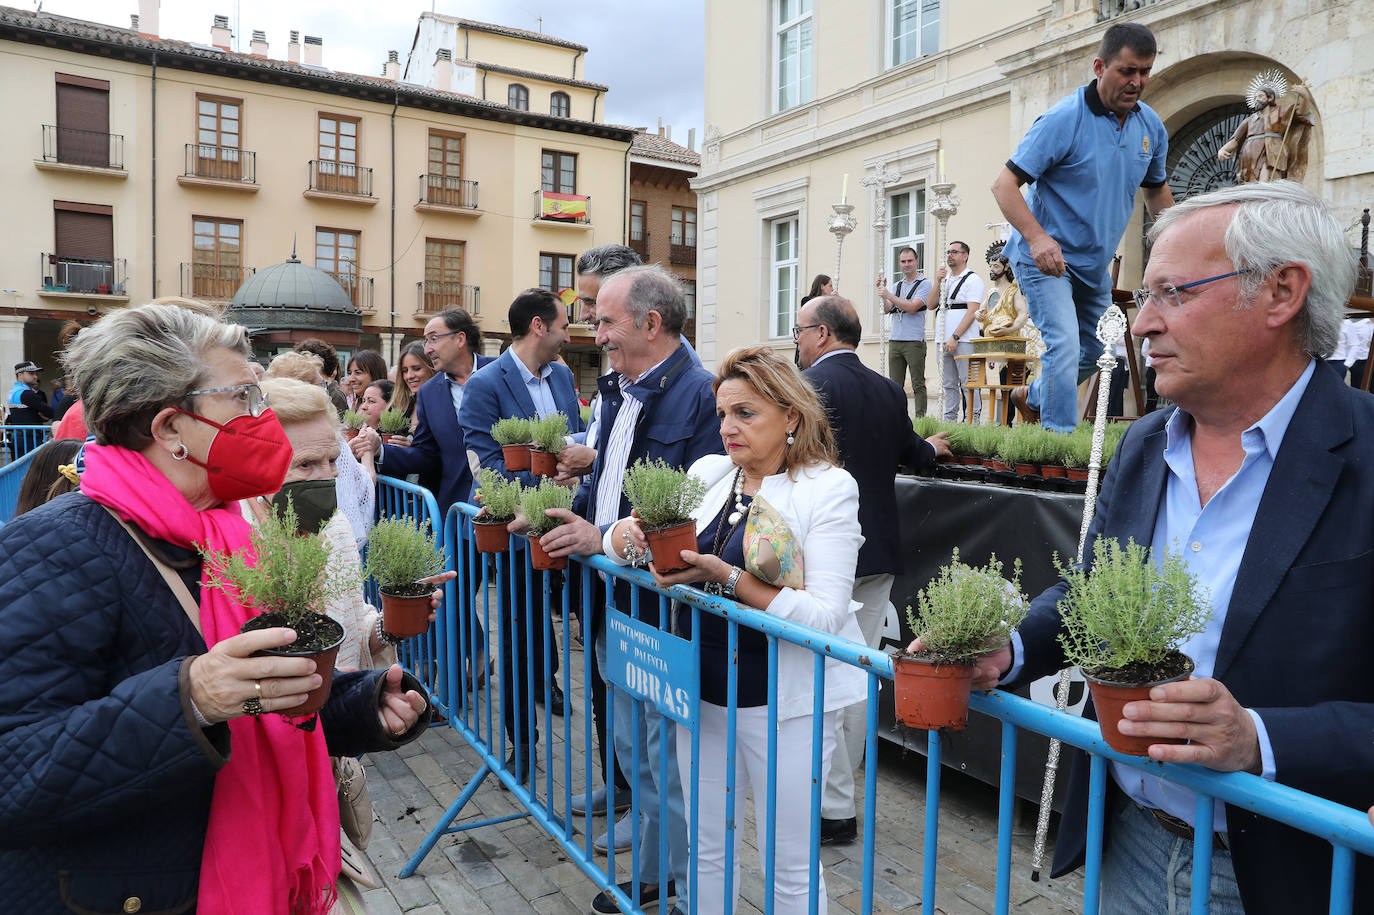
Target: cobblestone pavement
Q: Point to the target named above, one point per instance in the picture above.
(515, 867)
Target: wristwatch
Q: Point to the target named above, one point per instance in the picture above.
(956, 337)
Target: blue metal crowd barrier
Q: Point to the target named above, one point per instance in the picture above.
(11, 478)
(479, 716)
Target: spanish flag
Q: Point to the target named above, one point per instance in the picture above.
(568, 296)
(562, 206)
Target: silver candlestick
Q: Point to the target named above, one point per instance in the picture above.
(942, 206)
(840, 224)
(878, 182)
(1111, 327)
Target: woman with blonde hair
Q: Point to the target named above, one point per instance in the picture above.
(413, 370)
(779, 478)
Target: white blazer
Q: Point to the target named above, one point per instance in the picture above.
(821, 506)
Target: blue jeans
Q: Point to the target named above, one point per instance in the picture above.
(1066, 309)
(1147, 870)
(654, 730)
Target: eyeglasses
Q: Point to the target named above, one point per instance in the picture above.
(253, 400)
(798, 328)
(1166, 291)
(431, 339)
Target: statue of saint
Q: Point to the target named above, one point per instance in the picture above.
(1272, 142)
(1004, 310)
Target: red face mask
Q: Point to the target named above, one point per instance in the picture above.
(249, 457)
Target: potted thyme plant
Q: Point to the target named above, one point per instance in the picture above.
(352, 423)
(285, 576)
(664, 499)
(399, 555)
(1123, 624)
(513, 435)
(500, 498)
(547, 436)
(392, 422)
(534, 503)
(964, 612)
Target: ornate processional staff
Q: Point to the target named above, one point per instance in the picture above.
(878, 182)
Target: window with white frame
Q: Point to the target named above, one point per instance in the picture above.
(791, 53)
(783, 252)
(913, 28)
(906, 227)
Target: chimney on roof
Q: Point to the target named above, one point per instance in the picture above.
(660, 127)
(392, 68)
(258, 46)
(314, 50)
(219, 33)
(293, 48)
(692, 139)
(669, 135)
(147, 18)
(443, 70)
(133, 22)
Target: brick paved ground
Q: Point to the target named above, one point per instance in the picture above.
(514, 867)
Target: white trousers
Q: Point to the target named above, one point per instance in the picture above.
(792, 855)
(851, 733)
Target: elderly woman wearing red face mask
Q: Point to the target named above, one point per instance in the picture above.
(124, 685)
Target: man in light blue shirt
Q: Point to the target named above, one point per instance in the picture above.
(1262, 480)
(1084, 159)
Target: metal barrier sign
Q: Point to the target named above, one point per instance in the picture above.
(653, 666)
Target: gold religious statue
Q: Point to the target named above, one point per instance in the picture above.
(1272, 142)
(1004, 311)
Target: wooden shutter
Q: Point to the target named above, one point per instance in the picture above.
(83, 121)
(84, 231)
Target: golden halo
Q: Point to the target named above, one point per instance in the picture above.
(1271, 81)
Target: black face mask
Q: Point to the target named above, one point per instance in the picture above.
(315, 502)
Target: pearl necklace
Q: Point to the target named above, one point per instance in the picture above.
(740, 507)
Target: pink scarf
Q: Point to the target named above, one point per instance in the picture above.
(273, 840)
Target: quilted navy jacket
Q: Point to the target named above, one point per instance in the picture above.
(105, 778)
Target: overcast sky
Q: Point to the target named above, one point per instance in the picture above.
(650, 54)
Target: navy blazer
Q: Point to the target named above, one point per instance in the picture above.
(498, 392)
(438, 448)
(1296, 643)
(874, 435)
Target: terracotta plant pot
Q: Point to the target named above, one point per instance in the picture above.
(517, 457)
(988, 463)
(386, 438)
(491, 536)
(1108, 700)
(970, 460)
(543, 463)
(1000, 465)
(1052, 471)
(930, 695)
(331, 633)
(350, 434)
(1026, 470)
(542, 561)
(668, 543)
(1079, 474)
(403, 616)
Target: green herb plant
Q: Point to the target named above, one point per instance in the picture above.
(399, 554)
(662, 495)
(393, 422)
(1128, 615)
(353, 420)
(513, 430)
(966, 611)
(499, 495)
(548, 434)
(535, 500)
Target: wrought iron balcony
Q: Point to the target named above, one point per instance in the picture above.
(572, 209)
(71, 146)
(682, 255)
(84, 276)
(639, 242)
(221, 163)
(329, 177)
(434, 296)
(1110, 9)
(439, 190)
(212, 282)
(359, 289)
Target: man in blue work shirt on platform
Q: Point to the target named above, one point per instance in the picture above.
(1084, 160)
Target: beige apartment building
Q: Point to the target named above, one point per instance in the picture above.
(801, 93)
(141, 166)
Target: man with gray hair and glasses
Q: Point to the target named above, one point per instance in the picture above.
(1261, 479)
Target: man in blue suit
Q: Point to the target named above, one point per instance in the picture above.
(524, 381)
(874, 436)
(1262, 478)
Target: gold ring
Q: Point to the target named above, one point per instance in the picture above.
(257, 685)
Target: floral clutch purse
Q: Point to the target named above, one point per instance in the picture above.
(772, 552)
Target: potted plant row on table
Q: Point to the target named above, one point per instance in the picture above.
(1024, 454)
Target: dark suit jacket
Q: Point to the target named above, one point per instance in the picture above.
(499, 392)
(874, 435)
(1297, 640)
(438, 449)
